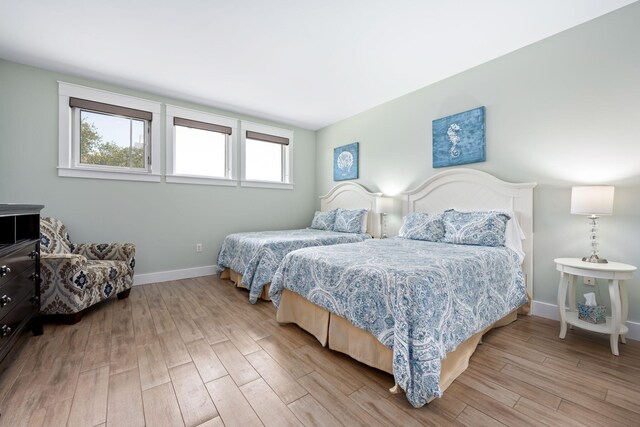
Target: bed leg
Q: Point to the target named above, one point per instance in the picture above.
(395, 389)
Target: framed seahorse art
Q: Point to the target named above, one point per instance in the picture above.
(459, 139)
(345, 162)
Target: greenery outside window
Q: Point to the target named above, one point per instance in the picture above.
(107, 135)
(112, 141)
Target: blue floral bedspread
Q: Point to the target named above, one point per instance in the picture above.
(257, 255)
(421, 299)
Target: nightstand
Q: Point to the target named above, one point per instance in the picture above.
(615, 273)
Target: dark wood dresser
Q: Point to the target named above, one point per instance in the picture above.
(19, 273)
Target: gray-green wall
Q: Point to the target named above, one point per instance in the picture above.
(165, 221)
(564, 111)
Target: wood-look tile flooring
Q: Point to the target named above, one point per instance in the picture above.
(195, 352)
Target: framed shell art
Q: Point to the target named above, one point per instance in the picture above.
(459, 139)
(345, 162)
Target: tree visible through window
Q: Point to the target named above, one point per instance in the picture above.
(107, 135)
(107, 140)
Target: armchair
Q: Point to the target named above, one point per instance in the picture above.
(76, 276)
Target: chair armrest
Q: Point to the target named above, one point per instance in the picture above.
(65, 279)
(71, 263)
(69, 258)
(106, 251)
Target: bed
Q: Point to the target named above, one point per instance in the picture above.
(419, 308)
(250, 259)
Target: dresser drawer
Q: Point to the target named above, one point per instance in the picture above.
(14, 263)
(13, 291)
(14, 320)
(19, 259)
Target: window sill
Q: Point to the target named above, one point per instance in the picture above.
(105, 174)
(200, 180)
(268, 184)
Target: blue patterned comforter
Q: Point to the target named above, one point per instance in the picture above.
(257, 255)
(421, 299)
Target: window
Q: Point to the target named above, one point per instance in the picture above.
(266, 156)
(200, 147)
(107, 135)
(111, 136)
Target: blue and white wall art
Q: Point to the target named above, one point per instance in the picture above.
(345, 162)
(459, 139)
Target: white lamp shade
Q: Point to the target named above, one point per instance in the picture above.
(592, 200)
(384, 204)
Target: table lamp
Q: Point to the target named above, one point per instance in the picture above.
(384, 205)
(594, 201)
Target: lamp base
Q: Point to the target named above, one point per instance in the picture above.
(595, 258)
(383, 225)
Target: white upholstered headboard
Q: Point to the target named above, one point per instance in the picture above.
(349, 195)
(470, 189)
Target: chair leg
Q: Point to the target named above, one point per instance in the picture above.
(72, 319)
(67, 319)
(124, 294)
(36, 326)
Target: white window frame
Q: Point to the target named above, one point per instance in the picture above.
(68, 136)
(231, 148)
(287, 163)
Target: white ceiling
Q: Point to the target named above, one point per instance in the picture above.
(306, 63)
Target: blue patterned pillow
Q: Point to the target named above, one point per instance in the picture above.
(422, 226)
(475, 228)
(323, 220)
(351, 221)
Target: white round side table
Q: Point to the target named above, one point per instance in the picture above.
(615, 273)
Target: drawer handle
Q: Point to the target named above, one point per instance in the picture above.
(35, 300)
(4, 331)
(33, 276)
(33, 254)
(4, 270)
(4, 300)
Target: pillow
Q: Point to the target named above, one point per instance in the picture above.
(513, 235)
(323, 220)
(351, 221)
(422, 226)
(475, 228)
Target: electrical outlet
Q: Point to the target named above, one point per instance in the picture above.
(589, 281)
(198, 247)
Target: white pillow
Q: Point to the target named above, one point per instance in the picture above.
(365, 221)
(513, 235)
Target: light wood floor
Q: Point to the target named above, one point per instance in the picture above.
(195, 352)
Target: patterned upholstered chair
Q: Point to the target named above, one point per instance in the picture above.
(76, 276)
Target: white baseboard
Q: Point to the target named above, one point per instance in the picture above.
(550, 311)
(165, 276)
(546, 310)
